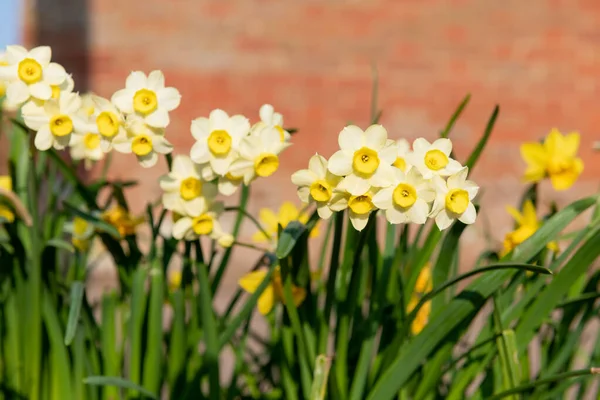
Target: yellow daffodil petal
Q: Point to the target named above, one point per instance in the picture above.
(516, 214)
(534, 154)
(287, 213)
(252, 280)
(566, 178)
(421, 318)
(7, 214)
(424, 283)
(570, 144)
(553, 144)
(529, 215)
(266, 301)
(268, 218)
(534, 173)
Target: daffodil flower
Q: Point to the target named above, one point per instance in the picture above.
(30, 74)
(423, 285)
(202, 220)
(86, 147)
(144, 141)
(122, 219)
(287, 213)
(556, 158)
(259, 155)
(273, 119)
(273, 293)
(108, 121)
(365, 159)
(148, 98)
(55, 121)
(527, 224)
(184, 186)
(433, 159)
(403, 151)
(217, 140)
(407, 199)
(81, 233)
(359, 207)
(6, 213)
(454, 199)
(316, 184)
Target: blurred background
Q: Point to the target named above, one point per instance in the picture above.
(312, 59)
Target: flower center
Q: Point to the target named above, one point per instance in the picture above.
(30, 71)
(400, 163)
(219, 142)
(361, 204)
(281, 132)
(320, 190)
(266, 164)
(145, 101)
(190, 188)
(457, 201)
(559, 165)
(203, 225)
(55, 91)
(141, 145)
(80, 226)
(108, 124)
(365, 161)
(61, 125)
(404, 195)
(435, 160)
(91, 141)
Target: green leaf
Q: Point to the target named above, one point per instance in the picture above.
(77, 290)
(288, 239)
(483, 141)
(117, 382)
(319, 386)
(100, 224)
(61, 244)
(455, 116)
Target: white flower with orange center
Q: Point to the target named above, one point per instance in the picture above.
(259, 155)
(86, 147)
(316, 184)
(433, 159)
(30, 74)
(454, 199)
(203, 220)
(217, 139)
(55, 121)
(407, 199)
(269, 117)
(144, 141)
(148, 98)
(184, 186)
(365, 159)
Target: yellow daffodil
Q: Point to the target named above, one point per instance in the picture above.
(6, 212)
(55, 121)
(527, 224)
(273, 119)
(555, 158)
(86, 147)
(316, 184)
(147, 98)
(218, 139)
(433, 159)
(201, 220)
(259, 154)
(423, 285)
(273, 293)
(184, 186)
(122, 220)
(454, 198)
(364, 159)
(81, 233)
(30, 74)
(407, 200)
(287, 213)
(144, 141)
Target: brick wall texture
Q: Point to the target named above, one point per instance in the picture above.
(312, 59)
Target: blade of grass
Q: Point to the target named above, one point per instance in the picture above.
(152, 379)
(136, 323)
(472, 160)
(457, 113)
(117, 382)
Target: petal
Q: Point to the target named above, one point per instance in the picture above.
(251, 281)
(199, 152)
(266, 301)
(338, 202)
(241, 168)
(123, 100)
(172, 201)
(534, 154)
(200, 128)
(570, 144)
(534, 173)
(266, 113)
(383, 198)
(355, 185)
(155, 81)
(444, 145)
(421, 145)
(227, 187)
(43, 138)
(469, 216)
(304, 194)
(17, 93)
(376, 137)
(458, 179)
(318, 165)
(169, 183)
(41, 54)
(351, 138)
(218, 120)
(324, 211)
(158, 119)
(359, 221)
(169, 98)
(395, 216)
(418, 212)
(221, 164)
(61, 142)
(304, 177)
(149, 160)
(69, 103)
(15, 53)
(55, 74)
(340, 164)
(136, 81)
(250, 147)
(161, 145)
(452, 167)
(443, 220)
(181, 227)
(122, 146)
(9, 72)
(388, 154)
(383, 177)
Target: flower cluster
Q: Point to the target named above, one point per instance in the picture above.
(372, 172)
(133, 121)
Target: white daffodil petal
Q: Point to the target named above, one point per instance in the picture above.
(181, 227)
(469, 216)
(443, 220)
(340, 163)
(17, 93)
(324, 211)
(351, 138)
(318, 165)
(169, 98)
(383, 198)
(136, 81)
(55, 74)
(123, 99)
(304, 177)
(149, 160)
(359, 221)
(158, 119)
(304, 194)
(43, 138)
(375, 137)
(42, 54)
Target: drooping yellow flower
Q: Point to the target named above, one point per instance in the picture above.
(6, 213)
(287, 213)
(527, 224)
(423, 285)
(122, 220)
(555, 158)
(273, 292)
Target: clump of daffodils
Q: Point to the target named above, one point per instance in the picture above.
(371, 172)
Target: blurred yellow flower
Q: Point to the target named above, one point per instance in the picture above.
(122, 220)
(6, 212)
(287, 213)
(81, 231)
(527, 225)
(423, 285)
(555, 158)
(174, 280)
(273, 292)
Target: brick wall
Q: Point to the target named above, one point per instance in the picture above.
(540, 60)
